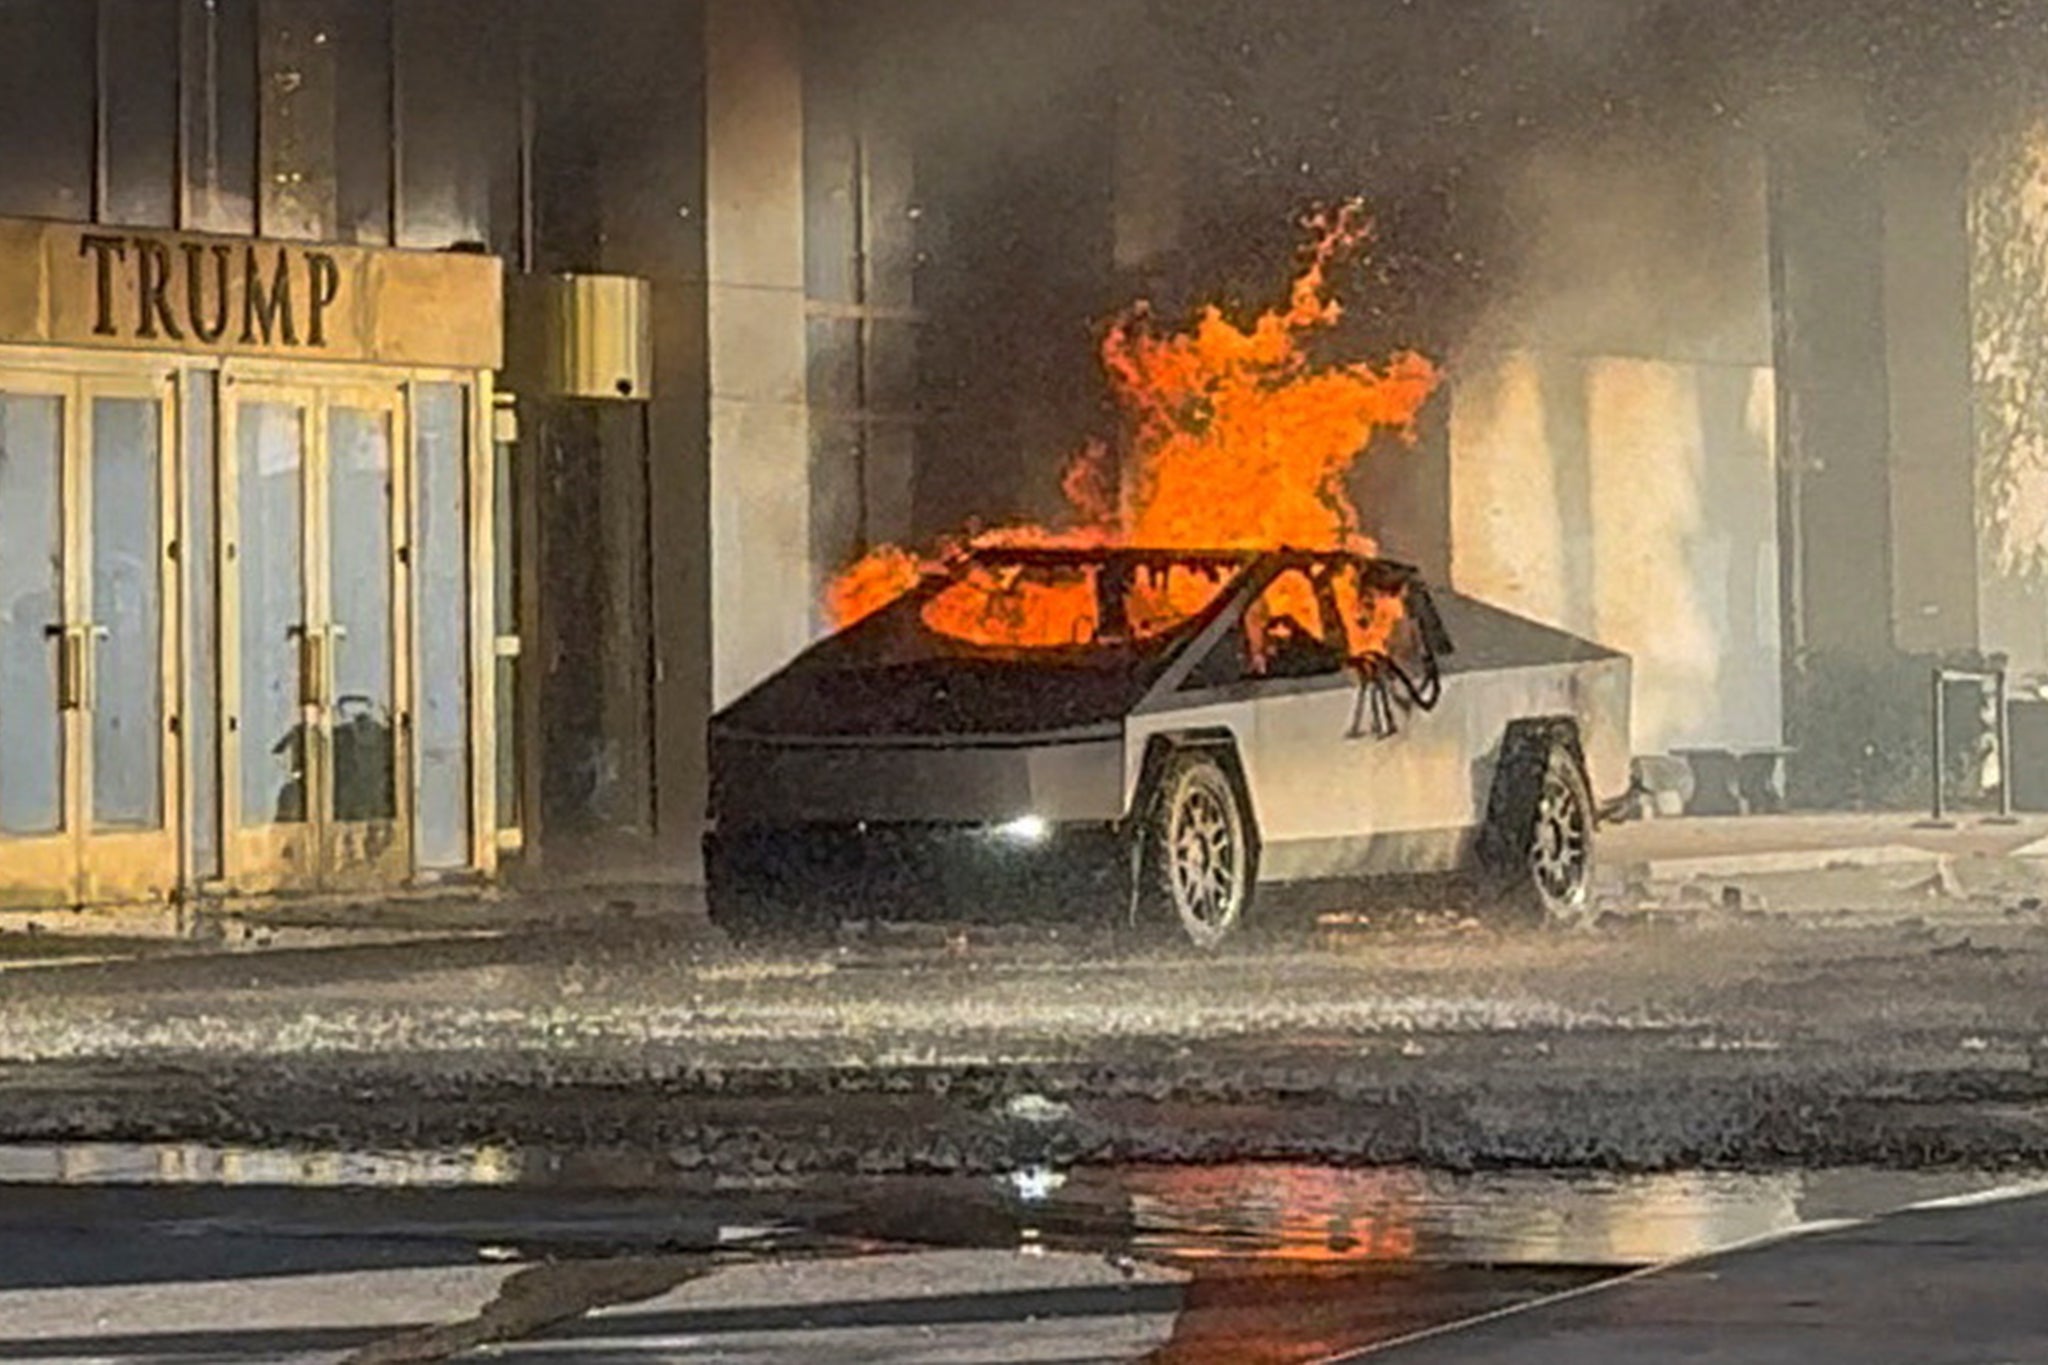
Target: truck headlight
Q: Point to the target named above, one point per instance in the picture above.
(1025, 829)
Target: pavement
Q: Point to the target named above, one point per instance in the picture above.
(1186, 1266)
(1871, 862)
(1867, 862)
(1708, 1037)
(1772, 996)
(1959, 1281)
(1768, 1018)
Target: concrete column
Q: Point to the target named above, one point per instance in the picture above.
(762, 580)
(889, 267)
(1927, 355)
(1828, 238)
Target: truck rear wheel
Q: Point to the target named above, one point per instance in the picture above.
(1540, 849)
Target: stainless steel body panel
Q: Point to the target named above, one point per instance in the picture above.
(1334, 799)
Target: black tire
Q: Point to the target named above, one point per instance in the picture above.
(1540, 841)
(1197, 853)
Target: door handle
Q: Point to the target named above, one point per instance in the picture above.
(71, 691)
(316, 662)
(89, 637)
(312, 664)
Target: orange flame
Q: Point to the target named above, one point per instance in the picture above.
(1239, 440)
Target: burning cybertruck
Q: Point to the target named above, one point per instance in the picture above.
(1174, 741)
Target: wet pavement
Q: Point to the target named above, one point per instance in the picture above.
(185, 1252)
(1954, 1280)
(621, 1139)
(1719, 1040)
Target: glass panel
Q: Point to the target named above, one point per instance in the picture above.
(832, 355)
(46, 106)
(220, 115)
(441, 621)
(127, 612)
(506, 564)
(359, 566)
(891, 359)
(202, 678)
(831, 168)
(31, 601)
(141, 94)
(362, 110)
(295, 191)
(460, 122)
(270, 453)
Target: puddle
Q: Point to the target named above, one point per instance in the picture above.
(1305, 1215)
(1220, 1265)
(105, 1163)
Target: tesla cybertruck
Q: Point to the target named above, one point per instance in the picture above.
(1167, 740)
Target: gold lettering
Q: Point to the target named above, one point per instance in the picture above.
(204, 328)
(153, 267)
(105, 251)
(271, 307)
(324, 278)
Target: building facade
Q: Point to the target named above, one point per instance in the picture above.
(417, 415)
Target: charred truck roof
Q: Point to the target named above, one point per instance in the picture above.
(893, 675)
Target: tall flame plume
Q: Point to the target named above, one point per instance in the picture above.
(1236, 439)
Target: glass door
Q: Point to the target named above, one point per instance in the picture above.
(267, 443)
(123, 633)
(363, 807)
(38, 851)
(88, 643)
(313, 553)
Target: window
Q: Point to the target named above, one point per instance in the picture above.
(1285, 633)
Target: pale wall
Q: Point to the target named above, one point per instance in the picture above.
(1613, 434)
(762, 580)
(2008, 230)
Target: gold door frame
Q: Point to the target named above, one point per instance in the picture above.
(80, 863)
(60, 869)
(271, 863)
(267, 855)
(363, 855)
(42, 869)
(129, 865)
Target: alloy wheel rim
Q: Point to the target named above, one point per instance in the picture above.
(1207, 867)
(1558, 853)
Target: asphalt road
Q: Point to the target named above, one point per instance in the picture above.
(1711, 1039)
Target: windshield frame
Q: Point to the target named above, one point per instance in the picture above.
(1115, 570)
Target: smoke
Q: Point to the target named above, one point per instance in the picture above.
(1588, 173)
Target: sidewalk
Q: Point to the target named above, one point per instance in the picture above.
(1824, 863)
(31, 938)
(1832, 864)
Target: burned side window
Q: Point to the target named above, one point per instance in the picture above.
(1289, 631)
(1377, 620)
